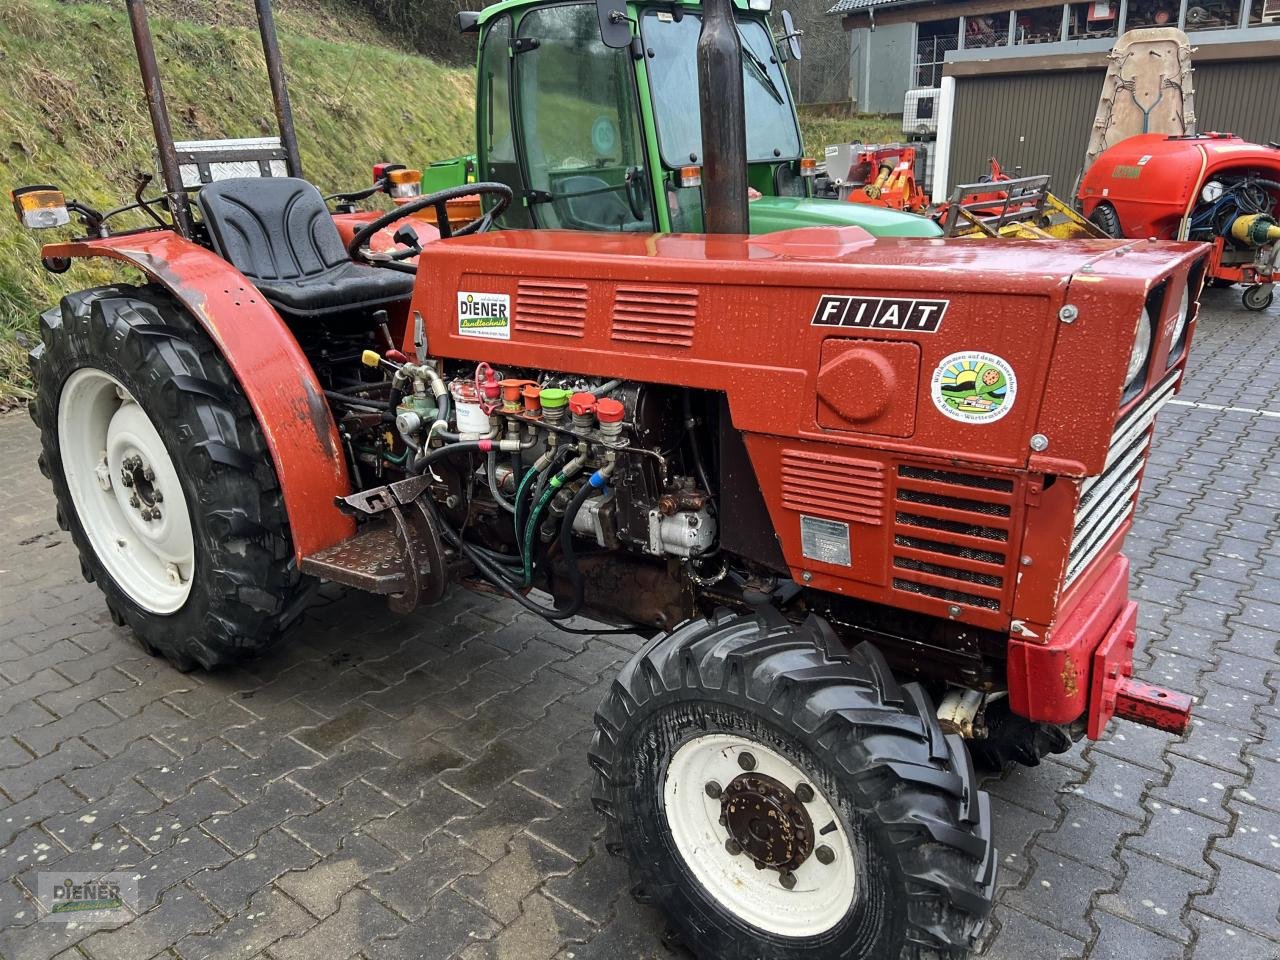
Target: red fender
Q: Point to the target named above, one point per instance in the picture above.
(274, 373)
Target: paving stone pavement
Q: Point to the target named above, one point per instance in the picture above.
(384, 788)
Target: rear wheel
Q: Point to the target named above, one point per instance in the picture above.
(162, 477)
(779, 800)
(1105, 219)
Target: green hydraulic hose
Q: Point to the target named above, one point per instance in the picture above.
(531, 525)
(529, 477)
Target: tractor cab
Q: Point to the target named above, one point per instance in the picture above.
(597, 128)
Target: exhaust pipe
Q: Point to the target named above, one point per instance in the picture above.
(724, 125)
(175, 193)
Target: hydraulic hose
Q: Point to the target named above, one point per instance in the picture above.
(531, 525)
(542, 495)
(491, 469)
(525, 483)
(497, 577)
(420, 465)
(690, 424)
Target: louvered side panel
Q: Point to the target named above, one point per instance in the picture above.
(951, 535)
(662, 315)
(554, 308)
(838, 488)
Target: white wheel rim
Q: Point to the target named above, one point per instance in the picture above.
(103, 434)
(823, 893)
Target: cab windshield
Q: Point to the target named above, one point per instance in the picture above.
(673, 83)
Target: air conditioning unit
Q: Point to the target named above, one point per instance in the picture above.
(920, 111)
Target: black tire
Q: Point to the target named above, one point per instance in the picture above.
(1014, 739)
(1105, 219)
(907, 794)
(246, 587)
(1258, 297)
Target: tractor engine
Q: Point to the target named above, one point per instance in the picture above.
(582, 486)
(628, 435)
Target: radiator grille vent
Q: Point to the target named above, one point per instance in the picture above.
(558, 309)
(949, 536)
(840, 488)
(664, 315)
(1107, 500)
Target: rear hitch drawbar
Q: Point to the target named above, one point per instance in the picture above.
(1153, 706)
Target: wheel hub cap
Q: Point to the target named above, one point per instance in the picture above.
(137, 475)
(766, 819)
(759, 835)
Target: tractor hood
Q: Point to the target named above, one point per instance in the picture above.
(770, 214)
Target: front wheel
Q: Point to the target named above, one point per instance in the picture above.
(780, 800)
(162, 476)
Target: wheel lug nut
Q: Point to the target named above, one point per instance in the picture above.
(724, 821)
(733, 847)
(713, 790)
(126, 478)
(135, 502)
(825, 854)
(148, 474)
(746, 761)
(804, 793)
(788, 880)
(155, 513)
(158, 497)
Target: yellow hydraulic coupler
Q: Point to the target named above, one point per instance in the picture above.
(1256, 229)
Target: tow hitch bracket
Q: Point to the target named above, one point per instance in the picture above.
(1115, 693)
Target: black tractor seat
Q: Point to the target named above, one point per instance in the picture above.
(278, 232)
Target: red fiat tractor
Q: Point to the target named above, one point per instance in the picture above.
(866, 497)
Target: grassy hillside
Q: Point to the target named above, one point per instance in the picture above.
(71, 113)
(823, 126)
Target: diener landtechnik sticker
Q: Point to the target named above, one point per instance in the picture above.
(974, 387)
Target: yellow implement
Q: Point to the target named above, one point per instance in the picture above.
(1021, 208)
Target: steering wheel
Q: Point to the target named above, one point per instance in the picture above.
(359, 251)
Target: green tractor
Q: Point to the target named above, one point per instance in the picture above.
(589, 112)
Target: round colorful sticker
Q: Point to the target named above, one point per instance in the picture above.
(974, 387)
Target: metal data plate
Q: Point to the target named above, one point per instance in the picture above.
(826, 541)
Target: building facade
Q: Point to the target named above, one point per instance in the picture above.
(1020, 79)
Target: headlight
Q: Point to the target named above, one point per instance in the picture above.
(1180, 323)
(1212, 191)
(1141, 348)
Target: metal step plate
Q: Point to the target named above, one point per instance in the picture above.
(370, 561)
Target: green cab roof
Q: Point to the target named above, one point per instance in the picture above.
(507, 6)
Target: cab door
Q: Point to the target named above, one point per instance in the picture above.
(578, 123)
